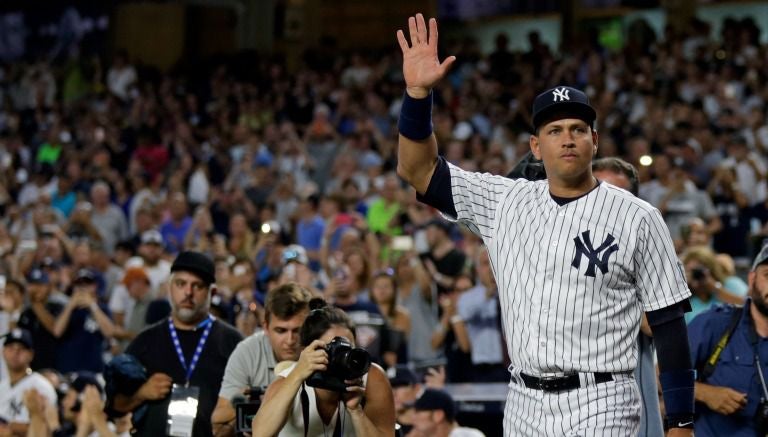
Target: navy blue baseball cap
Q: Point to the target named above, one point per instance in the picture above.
(401, 375)
(85, 276)
(562, 102)
(433, 399)
(37, 276)
(19, 335)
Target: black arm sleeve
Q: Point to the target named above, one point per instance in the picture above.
(666, 314)
(439, 193)
(672, 348)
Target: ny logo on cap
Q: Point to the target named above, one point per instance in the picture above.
(593, 254)
(560, 94)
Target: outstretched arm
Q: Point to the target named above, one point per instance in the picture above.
(417, 146)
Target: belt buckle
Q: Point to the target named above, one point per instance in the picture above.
(549, 383)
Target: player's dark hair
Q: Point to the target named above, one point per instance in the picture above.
(321, 318)
(286, 301)
(619, 166)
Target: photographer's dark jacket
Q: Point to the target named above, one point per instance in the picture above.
(735, 369)
(153, 347)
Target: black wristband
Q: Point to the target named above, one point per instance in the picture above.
(415, 121)
(680, 421)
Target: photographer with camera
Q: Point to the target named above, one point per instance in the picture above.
(705, 278)
(726, 344)
(253, 361)
(332, 390)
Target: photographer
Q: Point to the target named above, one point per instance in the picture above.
(726, 342)
(705, 278)
(291, 401)
(254, 359)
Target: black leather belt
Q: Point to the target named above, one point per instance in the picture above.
(560, 383)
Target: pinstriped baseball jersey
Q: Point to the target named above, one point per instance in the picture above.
(573, 279)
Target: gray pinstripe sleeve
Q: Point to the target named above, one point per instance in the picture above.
(660, 278)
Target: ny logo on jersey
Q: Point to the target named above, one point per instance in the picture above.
(593, 254)
(561, 94)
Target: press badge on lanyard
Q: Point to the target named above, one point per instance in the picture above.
(183, 407)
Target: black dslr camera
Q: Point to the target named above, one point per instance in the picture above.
(344, 362)
(246, 409)
(761, 419)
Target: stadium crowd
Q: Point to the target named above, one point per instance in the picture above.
(109, 171)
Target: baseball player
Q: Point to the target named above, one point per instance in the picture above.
(622, 174)
(577, 262)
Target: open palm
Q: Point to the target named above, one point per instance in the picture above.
(421, 67)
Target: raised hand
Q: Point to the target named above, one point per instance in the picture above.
(421, 67)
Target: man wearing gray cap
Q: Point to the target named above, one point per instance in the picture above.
(184, 355)
(727, 342)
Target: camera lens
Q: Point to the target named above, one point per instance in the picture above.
(357, 362)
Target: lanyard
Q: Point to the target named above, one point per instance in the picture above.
(198, 350)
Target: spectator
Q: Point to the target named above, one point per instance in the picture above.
(444, 261)
(477, 311)
(174, 229)
(252, 363)
(39, 318)
(729, 392)
(732, 206)
(682, 201)
(83, 326)
(152, 251)
(107, 217)
(121, 76)
(11, 303)
(242, 241)
(242, 284)
(281, 411)
(83, 409)
(705, 276)
(406, 388)
(451, 336)
(190, 359)
(130, 317)
(384, 295)
(64, 198)
(436, 416)
(384, 212)
(417, 295)
(18, 351)
(309, 229)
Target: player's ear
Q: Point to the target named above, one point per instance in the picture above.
(594, 142)
(533, 142)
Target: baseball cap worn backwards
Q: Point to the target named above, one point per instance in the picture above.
(196, 263)
(562, 102)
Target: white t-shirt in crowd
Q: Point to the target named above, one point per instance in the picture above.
(12, 407)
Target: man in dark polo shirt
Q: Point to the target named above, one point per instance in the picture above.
(185, 355)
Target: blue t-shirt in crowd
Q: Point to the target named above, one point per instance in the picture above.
(64, 202)
(174, 235)
(309, 234)
(82, 344)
